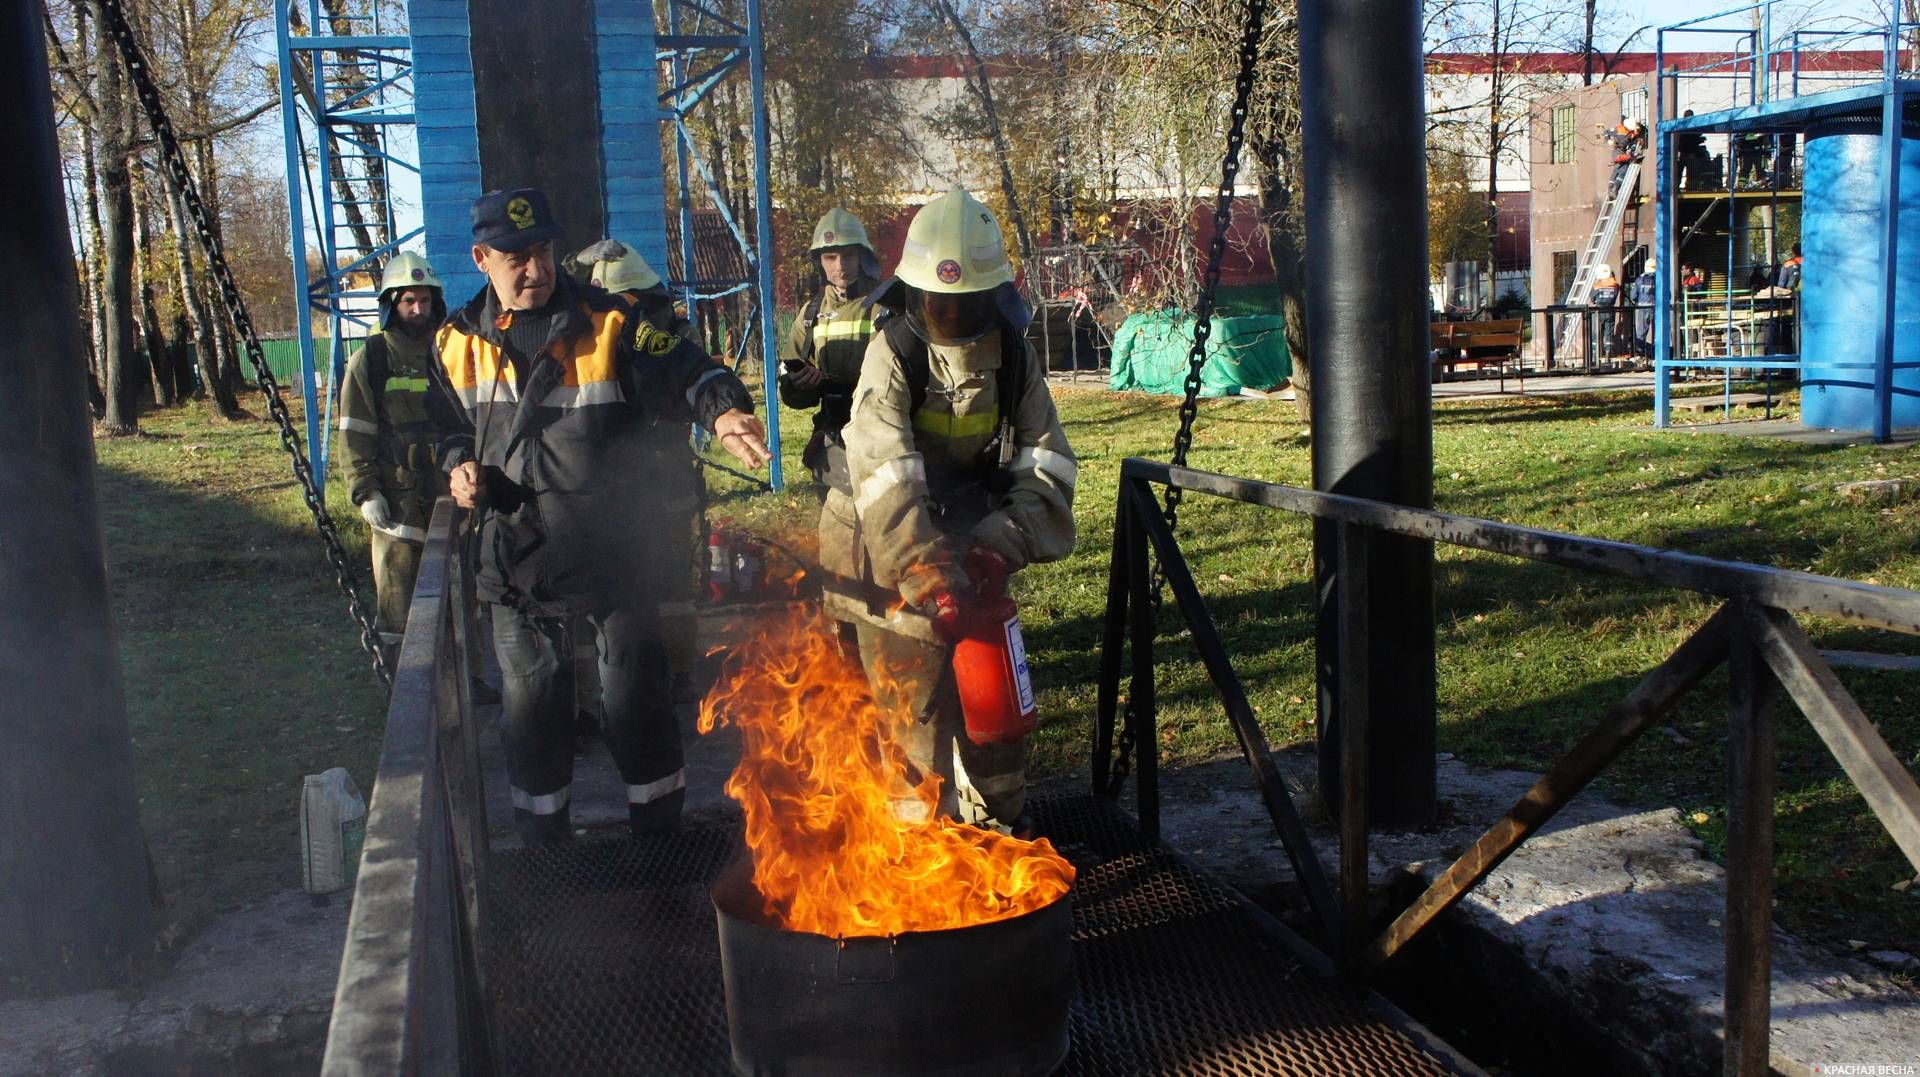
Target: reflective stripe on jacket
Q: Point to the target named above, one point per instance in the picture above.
(386, 430)
(919, 497)
(582, 496)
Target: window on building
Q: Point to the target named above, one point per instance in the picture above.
(1564, 264)
(1633, 105)
(1563, 133)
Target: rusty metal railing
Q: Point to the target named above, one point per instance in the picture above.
(1754, 632)
(411, 997)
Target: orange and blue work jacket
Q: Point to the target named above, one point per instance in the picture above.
(572, 479)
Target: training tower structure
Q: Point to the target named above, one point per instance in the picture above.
(473, 95)
(1759, 91)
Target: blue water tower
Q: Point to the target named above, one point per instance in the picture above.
(1842, 290)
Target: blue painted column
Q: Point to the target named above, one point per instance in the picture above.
(631, 168)
(763, 234)
(444, 124)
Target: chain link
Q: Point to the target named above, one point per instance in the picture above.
(1203, 327)
(176, 163)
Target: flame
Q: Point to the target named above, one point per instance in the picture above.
(822, 782)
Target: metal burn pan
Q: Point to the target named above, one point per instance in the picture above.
(989, 999)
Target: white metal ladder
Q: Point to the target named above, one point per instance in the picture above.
(1606, 233)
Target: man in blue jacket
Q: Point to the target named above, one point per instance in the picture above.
(549, 397)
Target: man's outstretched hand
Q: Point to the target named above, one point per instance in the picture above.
(741, 434)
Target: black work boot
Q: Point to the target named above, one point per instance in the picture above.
(656, 816)
(550, 829)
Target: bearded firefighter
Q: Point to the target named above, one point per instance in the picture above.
(960, 475)
(389, 439)
(824, 349)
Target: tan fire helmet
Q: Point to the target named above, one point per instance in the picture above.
(408, 270)
(839, 228)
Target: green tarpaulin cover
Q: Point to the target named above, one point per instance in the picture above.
(1150, 354)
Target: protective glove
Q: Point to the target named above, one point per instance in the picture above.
(607, 250)
(374, 511)
(943, 609)
(987, 570)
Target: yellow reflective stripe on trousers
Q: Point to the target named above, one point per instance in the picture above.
(943, 424)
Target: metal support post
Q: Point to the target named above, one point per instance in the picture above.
(1352, 542)
(1142, 704)
(1664, 201)
(1892, 126)
(1367, 224)
(296, 221)
(763, 235)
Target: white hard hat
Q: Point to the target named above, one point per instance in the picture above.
(839, 228)
(954, 245)
(407, 270)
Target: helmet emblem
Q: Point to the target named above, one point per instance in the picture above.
(948, 272)
(418, 275)
(521, 211)
(827, 237)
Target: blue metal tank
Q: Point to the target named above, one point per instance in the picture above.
(1841, 229)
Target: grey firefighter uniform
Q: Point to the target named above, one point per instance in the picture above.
(918, 503)
(389, 442)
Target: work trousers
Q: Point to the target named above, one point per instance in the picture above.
(538, 697)
(396, 564)
(979, 784)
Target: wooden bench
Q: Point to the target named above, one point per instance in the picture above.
(1482, 345)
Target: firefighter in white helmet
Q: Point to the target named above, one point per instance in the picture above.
(960, 473)
(389, 440)
(823, 351)
(621, 270)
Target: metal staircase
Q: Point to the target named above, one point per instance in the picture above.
(1604, 238)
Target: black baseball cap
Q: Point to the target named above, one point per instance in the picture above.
(513, 220)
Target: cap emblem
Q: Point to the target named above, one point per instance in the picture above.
(521, 213)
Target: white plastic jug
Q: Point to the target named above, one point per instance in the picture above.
(333, 825)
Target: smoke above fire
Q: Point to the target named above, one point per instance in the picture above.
(846, 839)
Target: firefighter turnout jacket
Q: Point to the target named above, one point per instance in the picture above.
(942, 464)
(568, 459)
(388, 434)
(831, 332)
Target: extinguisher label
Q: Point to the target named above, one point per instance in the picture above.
(1017, 649)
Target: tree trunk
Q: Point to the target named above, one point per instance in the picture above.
(75, 904)
(1286, 246)
(153, 338)
(96, 242)
(193, 299)
(119, 359)
(978, 82)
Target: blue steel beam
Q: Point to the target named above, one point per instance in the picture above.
(1663, 205)
(296, 218)
(342, 44)
(763, 233)
(1891, 121)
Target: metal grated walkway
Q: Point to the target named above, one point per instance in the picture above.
(603, 958)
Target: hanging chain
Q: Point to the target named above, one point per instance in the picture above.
(176, 163)
(1203, 327)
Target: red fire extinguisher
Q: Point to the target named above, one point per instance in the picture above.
(719, 561)
(990, 664)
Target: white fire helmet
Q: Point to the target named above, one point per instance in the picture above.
(954, 245)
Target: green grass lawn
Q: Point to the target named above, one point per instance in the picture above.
(244, 671)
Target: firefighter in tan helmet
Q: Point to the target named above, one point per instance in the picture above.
(960, 475)
(822, 353)
(389, 440)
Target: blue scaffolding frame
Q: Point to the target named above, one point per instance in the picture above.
(378, 94)
(1774, 92)
(702, 49)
